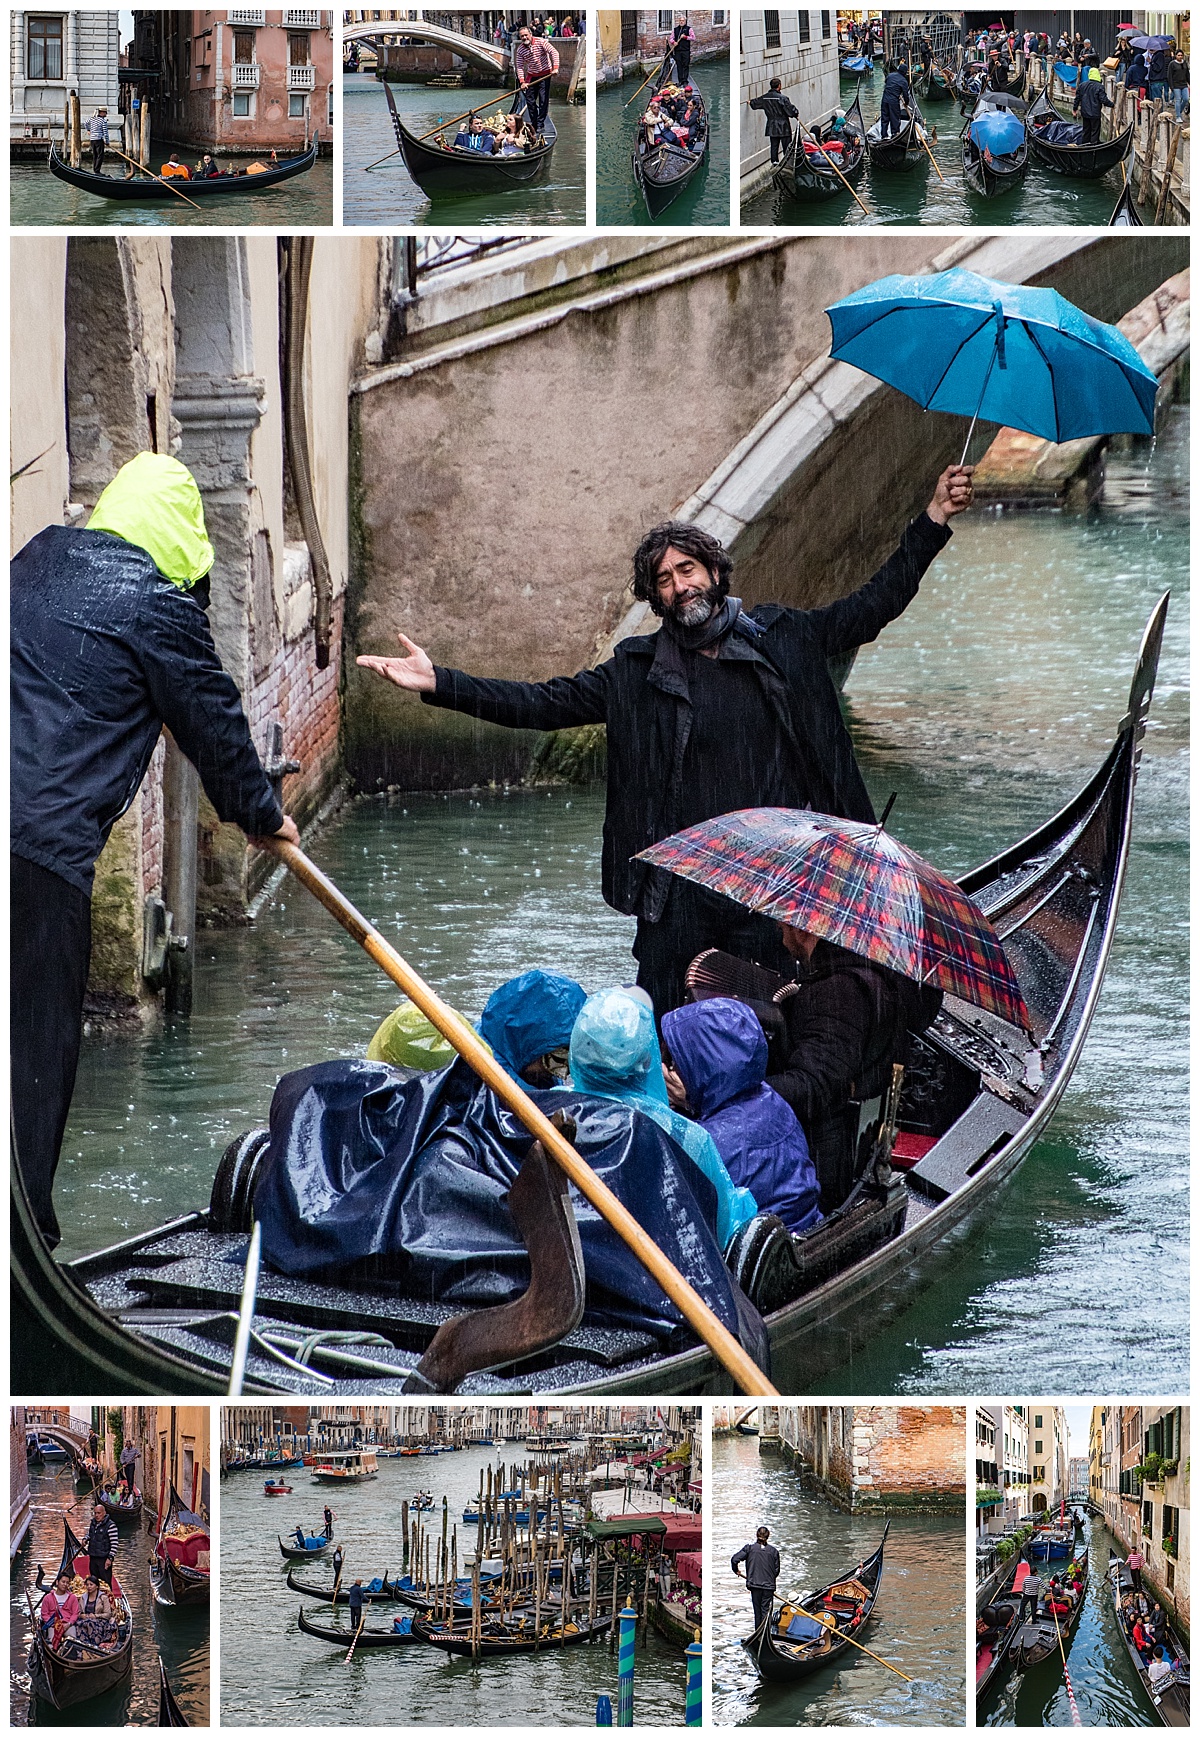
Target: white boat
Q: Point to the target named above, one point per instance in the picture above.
(345, 1468)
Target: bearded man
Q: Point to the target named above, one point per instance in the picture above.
(721, 709)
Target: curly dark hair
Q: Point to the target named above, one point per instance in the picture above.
(690, 540)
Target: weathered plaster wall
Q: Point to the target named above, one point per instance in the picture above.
(37, 360)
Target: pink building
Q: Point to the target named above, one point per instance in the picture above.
(247, 79)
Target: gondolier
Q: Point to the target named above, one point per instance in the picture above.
(682, 38)
(534, 60)
(897, 97)
(129, 1456)
(720, 709)
(98, 134)
(101, 1544)
(109, 641)
(1091, 100)
(780, 112)
(762, 1573)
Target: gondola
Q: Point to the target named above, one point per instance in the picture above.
(1040, 1638)
(62, 1681)
(858, 66)
(168, 1706)
(1172, 1705)
(317, 1544)
(177, 1575)
(505, 1638)
(362, 1638)
(378, 1588)
(985, 173)
(808, 178)
(990, 1659)
(820, 1626)
(125, 1510)
(1086, 162)
(968, 84)
(940, 86)
(662, 171)
(978, 1097)
(147, 190)
(452, 169)
(902, 150)
(1052, 1544)
(1125, 211)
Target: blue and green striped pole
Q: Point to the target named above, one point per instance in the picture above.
(695, 1690)
(625, 1666)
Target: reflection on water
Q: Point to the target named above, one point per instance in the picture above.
(917, 1624)
(1105, 1684)
(388, 194)
(179, 1636)
(986, 706)
(271, 1674)
(705, 200)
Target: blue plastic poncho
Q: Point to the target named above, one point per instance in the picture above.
(529, 1016)
(614, 1054)
(720, 1053)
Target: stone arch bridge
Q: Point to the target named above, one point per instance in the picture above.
(484, 55)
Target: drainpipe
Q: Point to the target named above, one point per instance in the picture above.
(298, 255)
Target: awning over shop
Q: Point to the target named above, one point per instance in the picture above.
(684, 1532)
(688, 1566)
(626, 1526)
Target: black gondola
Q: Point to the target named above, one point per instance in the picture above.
(504, 1638)
(663, 170)
(168, 1707)
(969, 83)
(362, 1638)
(452, 169)
(1125, 211)
(1086, 162)
(145, 190)
(1007, 1606)
(65, 1681)
(173, 1579)
(821, 1625)
(808, 177)
(985, 173)
(1173, 1704)
(124, 1508)
(295, 1553)
(940, 86)
(1043, 1637)
(986, 1096)
(326, 1594)
(900, 151)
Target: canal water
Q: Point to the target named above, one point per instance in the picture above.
(985, 706)
(705, 200)
(306, 202)
(271, 1674)
(918, 196)
(918, 1623)
(389, 195)
(179, 1637)
(1106, 1686)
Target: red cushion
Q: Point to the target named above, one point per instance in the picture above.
(909, 1149)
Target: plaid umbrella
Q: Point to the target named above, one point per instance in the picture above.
(855, 885)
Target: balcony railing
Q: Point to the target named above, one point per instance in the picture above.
(301, 18)
(254, 15)
(246, 74)
(302, 77)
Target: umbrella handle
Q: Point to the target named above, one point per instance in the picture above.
(986, 378)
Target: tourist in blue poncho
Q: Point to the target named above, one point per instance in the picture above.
(719, 1051)
(614, 1054)
(528, 1022)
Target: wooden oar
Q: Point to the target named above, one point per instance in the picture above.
(928, 152)
(361, 1625)
(390, 154)
(830, 1621)
(455, 1029)
(163, 181)
(542, 76)
(803, 129)
(661, 67)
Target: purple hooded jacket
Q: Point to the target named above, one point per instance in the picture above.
(720, 1054)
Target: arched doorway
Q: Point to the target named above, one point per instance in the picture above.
(1039, 1504)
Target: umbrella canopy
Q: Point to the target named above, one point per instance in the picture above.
(853, 884)
(1025, 358)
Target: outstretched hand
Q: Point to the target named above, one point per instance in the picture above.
(413, 671)
(954, 493)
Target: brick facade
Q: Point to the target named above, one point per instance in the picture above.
(882, 1458)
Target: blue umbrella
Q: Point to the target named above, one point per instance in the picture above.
(1025, 358)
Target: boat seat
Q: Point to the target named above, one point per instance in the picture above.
(983, 1130)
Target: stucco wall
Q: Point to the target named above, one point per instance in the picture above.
(37, 360)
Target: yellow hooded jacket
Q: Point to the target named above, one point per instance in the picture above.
(154, 503)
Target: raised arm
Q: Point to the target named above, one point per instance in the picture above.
(554, 705)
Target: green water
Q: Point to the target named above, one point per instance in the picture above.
(271, 1674)
(705, 200)
(388, 194)
(918, 1624)
(917, 195)
(306, 202)
(985, 706)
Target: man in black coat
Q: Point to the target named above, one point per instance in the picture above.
(897, 97)
(1090, 104)
(101, 1544)
(762, 1574)
(780, 112)
(106, 648)
(720, 709)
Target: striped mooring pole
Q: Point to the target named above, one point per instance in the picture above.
(625, 1666)
(695, 1691)
(603, 1711)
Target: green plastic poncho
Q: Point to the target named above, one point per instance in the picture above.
(154, 503)
(406, 1039)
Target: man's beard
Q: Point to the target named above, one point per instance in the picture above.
(694, 611)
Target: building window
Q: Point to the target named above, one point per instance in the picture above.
(771, 29)
(1037, 1422)
(43, 54)
(243, 46)
(666, 22)
(825, 17)
(241, 102)
(719, 20)
(296, 106)
(1037, 1447)
(803, 31)
(297, 50)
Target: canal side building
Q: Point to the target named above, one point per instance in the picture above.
(1048, 1453)
(636, 41)
(889, 1459)
(52, 53)
(1152, 1512)
(798, 48)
